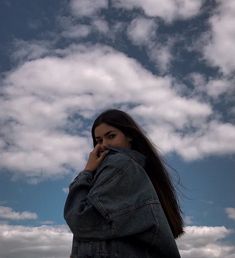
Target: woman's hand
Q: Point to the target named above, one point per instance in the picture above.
(95, 158)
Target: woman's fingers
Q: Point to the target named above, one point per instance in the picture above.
(97, 150)
(103, 154)
(95, 158)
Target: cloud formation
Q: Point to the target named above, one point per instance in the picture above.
(230, 212)
(87, 7)
(219, 50)
(37, 242)
(8, 213)
(168, 10)
(47, 103)
(141, 31)
(55, 241)
(204, 241)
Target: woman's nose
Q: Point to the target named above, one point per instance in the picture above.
(104, 145)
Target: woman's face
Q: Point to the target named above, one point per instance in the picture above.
(109, 136)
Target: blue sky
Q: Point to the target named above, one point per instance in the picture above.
(170, 64)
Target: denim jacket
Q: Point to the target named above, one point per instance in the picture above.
(115, 211)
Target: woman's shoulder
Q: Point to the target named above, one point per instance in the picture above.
(115, 157)
(121, 157)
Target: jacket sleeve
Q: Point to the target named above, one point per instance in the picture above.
(74, 250)
(118, 204)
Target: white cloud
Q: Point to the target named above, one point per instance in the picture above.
(87, 7)
(230, 212)
(77, 31)
(219, 50)
(214, 138)
(30, 50)
(8, 213)
(161, 55)
(204, 241)
(168, 10)
(141, 30)
(160, 103)
(217, 87)
(210, 138)
(198, 80)
(101, 25)
(213, 89)
(36, 242)
(55, 241)
(41, 96)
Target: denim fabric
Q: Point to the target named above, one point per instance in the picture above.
(115, 211)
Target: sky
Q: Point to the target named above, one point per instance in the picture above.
(170, 64)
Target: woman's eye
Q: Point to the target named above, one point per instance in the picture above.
(111, 136)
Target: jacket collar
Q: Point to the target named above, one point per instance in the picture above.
(137, 156)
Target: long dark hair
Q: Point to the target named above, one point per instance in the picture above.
(154, 167)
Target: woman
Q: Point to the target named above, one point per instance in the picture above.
(123, 203)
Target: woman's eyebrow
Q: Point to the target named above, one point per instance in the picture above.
(98, 137)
